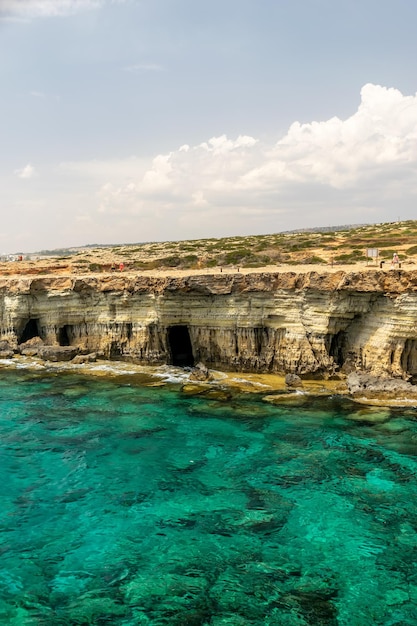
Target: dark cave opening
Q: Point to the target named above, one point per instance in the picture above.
(409, 359)
(63, 336)
(30, 331)
(180, 346)
(338, 348)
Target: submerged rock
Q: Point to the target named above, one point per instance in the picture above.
(284, 398)
(193, 389)
(213, 393)
(370, 415)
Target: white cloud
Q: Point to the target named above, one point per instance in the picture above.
(26, 172)
(47, 8)
(361, 169)
(38, 94)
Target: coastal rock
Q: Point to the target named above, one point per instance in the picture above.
(192, 389)
(366, 385)
(286, 398)
(200, 372)
(31, 347)
(57, 353)
(6, 351)
(292, 380)
(79, 359)
(311, 323)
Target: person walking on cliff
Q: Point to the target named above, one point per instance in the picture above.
(395, 260)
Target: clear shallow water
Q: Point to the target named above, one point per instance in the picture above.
(125, 504)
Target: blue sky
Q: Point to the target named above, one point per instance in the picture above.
(145, 120)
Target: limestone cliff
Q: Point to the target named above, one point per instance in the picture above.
(271, 322)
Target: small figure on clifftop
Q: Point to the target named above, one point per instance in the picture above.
(121, 267)
(395, 260)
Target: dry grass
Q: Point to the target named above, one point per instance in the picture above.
(336, 249)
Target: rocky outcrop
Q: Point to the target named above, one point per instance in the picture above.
(310, 323)
(57, 353)
(362, 385)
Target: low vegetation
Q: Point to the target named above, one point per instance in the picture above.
(333, 246)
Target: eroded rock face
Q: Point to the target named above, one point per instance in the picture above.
(6, 351)
(273, 322)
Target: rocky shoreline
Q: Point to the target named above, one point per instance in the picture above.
(359, 387)
(356, 328)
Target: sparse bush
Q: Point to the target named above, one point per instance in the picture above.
(237, 256)
(170, 261)
(256, 261)
(314, 260)
(190, 260)
(387, 254)
(346, 258)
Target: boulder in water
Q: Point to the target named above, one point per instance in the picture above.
(292, 380)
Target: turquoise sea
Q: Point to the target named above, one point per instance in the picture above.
(129, 504)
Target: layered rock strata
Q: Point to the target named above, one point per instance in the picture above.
(309, 323)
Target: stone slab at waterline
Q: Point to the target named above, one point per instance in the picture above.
(306, 323)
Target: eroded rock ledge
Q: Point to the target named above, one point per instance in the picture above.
(285, 322)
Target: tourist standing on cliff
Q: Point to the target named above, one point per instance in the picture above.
(395, 260)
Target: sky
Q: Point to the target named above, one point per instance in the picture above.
(125, 121)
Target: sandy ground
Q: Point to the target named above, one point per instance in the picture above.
(51, 268)
(268, 269)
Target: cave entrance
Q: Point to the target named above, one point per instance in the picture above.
(30, 331)
(338, 348)
(64, 335)
(409, 359)
(180, 346)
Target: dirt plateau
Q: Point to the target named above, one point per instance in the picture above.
(305, 323)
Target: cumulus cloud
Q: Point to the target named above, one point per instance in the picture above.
(47, 8)
(26, 172)
(334, 171)
(360, 169)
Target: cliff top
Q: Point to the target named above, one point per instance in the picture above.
(203, 283)
(342, 250)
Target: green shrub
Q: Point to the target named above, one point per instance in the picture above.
(256, 261)
(314, 260)
(236, 256)
(170, 261)
(346, 258)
